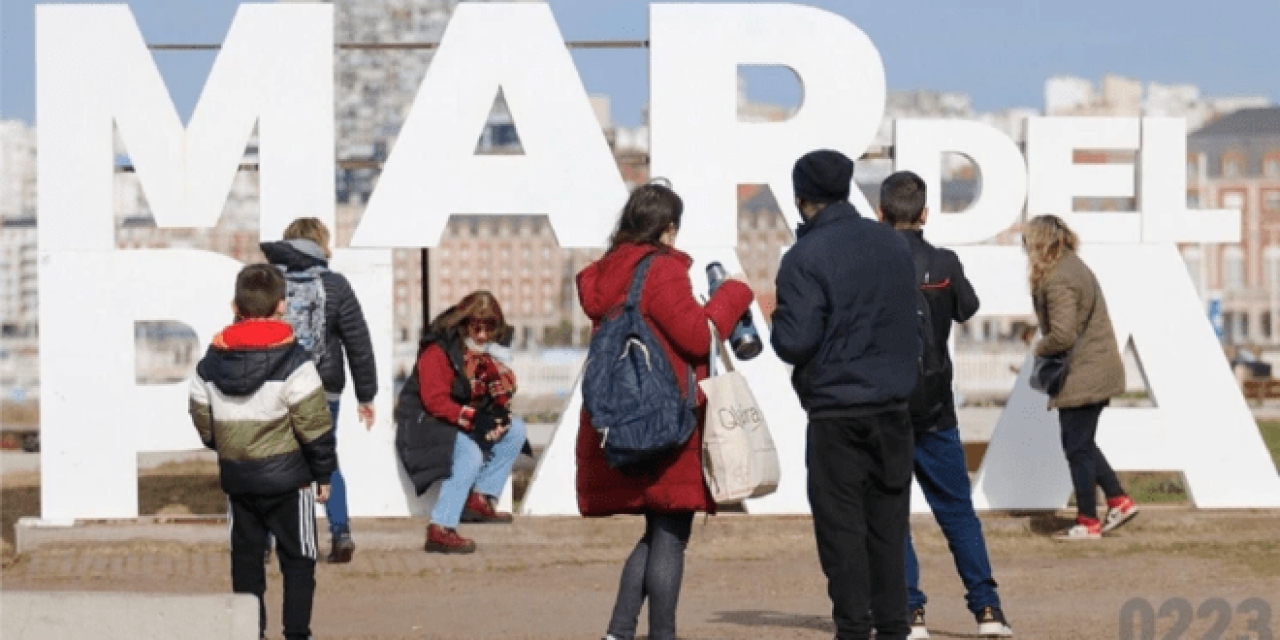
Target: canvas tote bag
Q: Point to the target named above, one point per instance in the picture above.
(739, 460)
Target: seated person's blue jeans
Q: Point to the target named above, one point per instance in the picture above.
(473, 468)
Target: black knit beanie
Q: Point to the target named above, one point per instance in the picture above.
(822, 176)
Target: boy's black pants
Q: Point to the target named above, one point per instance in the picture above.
(860, 492)
(291, 518)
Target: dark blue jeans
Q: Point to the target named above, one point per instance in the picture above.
(940, 470)
(336, 507)
(1089, 468)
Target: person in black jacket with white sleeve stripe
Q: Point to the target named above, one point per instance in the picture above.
(940, 467)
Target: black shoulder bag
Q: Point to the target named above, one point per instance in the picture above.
(1049, 373)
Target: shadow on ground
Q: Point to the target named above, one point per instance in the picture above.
(1043, 523)
(757, 618)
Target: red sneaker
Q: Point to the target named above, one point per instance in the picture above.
(1119, 511)
(443, 540)
(479, 509)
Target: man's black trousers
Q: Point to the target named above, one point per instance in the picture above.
(291, 518)
(860, 491)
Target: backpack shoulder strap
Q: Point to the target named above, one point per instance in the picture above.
(637, 281)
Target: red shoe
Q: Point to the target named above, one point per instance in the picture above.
(480, 509)
(1119, 511)
(443, 540)
(1086, 528)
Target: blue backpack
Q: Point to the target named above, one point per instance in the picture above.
(629, 388)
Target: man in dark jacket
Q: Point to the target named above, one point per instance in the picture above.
(939, 457)
(847, 320)
(327, 319)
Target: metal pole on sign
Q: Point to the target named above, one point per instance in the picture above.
(426, 288)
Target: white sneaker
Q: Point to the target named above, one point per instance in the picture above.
(919, 630)
(991, 624)
(1079, 532)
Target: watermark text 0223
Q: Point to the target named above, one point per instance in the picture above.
(1212, 619)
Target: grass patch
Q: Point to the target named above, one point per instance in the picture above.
(1148, 487)
(1154, 487)
(1271, 435)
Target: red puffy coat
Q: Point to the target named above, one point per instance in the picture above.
(680, 323)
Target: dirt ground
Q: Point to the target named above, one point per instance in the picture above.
(746, 577)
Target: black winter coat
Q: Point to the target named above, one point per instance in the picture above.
(847, 315)
(951, 298)
(424, 442)
(345, 328)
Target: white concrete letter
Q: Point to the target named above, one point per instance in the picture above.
(918, 147)
(93, 68)
(1054, 178)
(275, 68)
(698, 142)
(566, 171)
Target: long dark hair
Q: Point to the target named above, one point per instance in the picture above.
(649, 211)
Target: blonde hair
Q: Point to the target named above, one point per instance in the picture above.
(309, 229)
(1046, 239)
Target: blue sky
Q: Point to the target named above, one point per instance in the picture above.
(999, 53)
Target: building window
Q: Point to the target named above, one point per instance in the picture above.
(1193, 200)
(1234, 269)
(1271, 201)
(1232, 165)
(1233, 200)
(1271, 267)
(1271, 167)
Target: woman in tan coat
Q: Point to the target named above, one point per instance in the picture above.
(1073, 320)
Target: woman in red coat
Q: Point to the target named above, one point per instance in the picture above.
(668, 491)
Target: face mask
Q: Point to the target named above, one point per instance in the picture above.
(477, 347)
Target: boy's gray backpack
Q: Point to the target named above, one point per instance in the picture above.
(629, 388)
(304, 308)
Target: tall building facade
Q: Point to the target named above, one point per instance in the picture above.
(18, 293)
(1234, 163)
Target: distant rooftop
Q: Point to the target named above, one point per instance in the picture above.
(1263, 121)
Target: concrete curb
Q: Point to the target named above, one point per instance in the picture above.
(37, 615)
